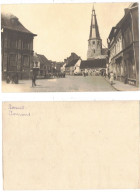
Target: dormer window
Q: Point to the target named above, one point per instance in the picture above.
(14, 20)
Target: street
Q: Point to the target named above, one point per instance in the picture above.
(67, 84)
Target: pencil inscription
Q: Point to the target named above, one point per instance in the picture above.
(18, 111)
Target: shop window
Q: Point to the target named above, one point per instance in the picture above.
(131, 68)
(132, 71)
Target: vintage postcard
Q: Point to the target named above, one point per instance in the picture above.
(71, 145)
(70, 47)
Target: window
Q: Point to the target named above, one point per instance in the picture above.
(19, 44)
(36, 64)
(13, 43)
(14, 21)
(93, 42)
(25, 45)
(25, 61)
(127, 37)
(13, 60)
(94, 50)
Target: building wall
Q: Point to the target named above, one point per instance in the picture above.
(135, 26)
(124, 50)
(71, 70)
(17, 53)
(67, 70)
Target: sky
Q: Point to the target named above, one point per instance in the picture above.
(64, 28)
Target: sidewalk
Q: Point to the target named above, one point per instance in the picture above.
(120, 86)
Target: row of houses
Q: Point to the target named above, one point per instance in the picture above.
(76, 66)
(45, 66)
(123, 46)
(17, 52)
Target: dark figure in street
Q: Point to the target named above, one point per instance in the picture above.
(16, 78)
(8, 79)
(33, 79)
(109, 75)
(125, 79)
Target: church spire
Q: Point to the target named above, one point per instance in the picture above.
(94, 30)
(94, 42)
(93, 7)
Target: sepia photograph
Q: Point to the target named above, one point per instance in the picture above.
(83, 47)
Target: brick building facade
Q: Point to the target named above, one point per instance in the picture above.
(17, 48)
(123, 44)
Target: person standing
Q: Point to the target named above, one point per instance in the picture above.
(33, 78)
(111, 78)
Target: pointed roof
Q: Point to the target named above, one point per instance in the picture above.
(94, 30)
(72, 63)
(43, 59)
(93, 7)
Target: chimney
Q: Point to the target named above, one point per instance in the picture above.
(126, 10)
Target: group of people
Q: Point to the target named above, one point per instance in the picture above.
(90, 72)
(12, 78)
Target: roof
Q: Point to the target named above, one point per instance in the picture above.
(96, 63)
(104, 51)
(119, 24)
(72, 63)
(42, 59)
(134, 4)
(72, 57)
(94, 30)
(11, 22)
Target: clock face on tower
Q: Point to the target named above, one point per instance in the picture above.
(92, 45)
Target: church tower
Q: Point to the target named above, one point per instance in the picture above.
(94, 42)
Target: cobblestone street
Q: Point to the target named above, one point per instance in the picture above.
(68, 84)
